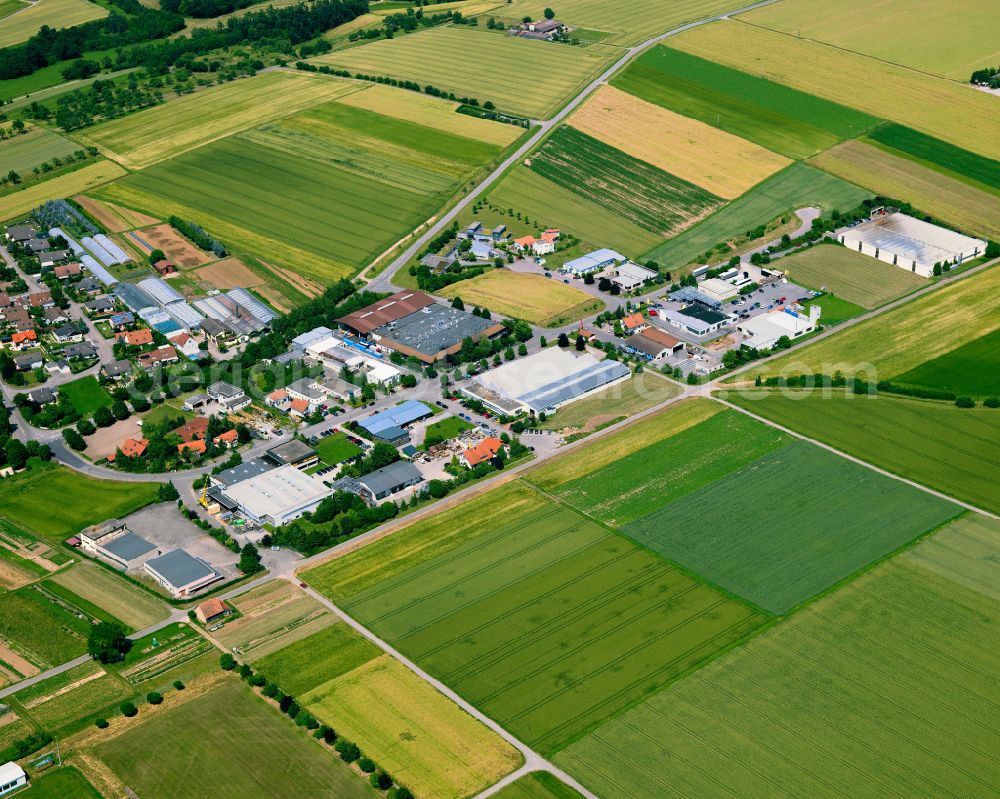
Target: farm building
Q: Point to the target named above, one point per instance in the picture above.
(718, 290)
(210, 610)
(694, 319)
(653, 343)
(277, 496)
(763, 332)
(388, 480)
(12, 776)
(389, 425)
(594, 262)
(181, 573)
(629, 276)
(544, 381)
(910, 243)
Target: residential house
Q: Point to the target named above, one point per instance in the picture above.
(228, 439)
(36, 245)
(100, 305)
(54, 315)
(115, 370)
(166, 354)
(228, 396)
(183, 341)
(210, 610)
(64, 271)
(300, 407)
(135, 338)
(84, 349)
(53, 257)
(43, 395)
(64, 334)
(23, 341)
(194, 430)
(199, 447)
(130, 448)
(483, 451)
(277, 399)
(41, 299)
(634, 323)
(21, 233)
(60, 367)
(28, 361)
(120, 321)
(89, 285)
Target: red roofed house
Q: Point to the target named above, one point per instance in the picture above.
(166, 354)
(132, 448)
(183, 341)
(195, 446)
(299, 407)
(41, 299)
(541, 246)
(277, 398)
(228, 439)
(195, 430)
(211, 609)
(23, 341)
(64, 271)
(552, 234)
(135, 338)
(165, 268)
(483, 451)
(635, 322)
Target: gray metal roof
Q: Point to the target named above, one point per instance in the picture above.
(117, 252)
(185, 314)
(434, 328)
(243, 472)
(160, 290)
(390, 477)
(179, 568)
(291, 451)
(252, 304)
(691, 294)
(129, 546)
(134, 297)
(562, 391)
(99, 252)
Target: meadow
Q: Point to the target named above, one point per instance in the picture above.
(24, 23)
(23, 153)
(65, 185)
(835, 309)
(630, 20)
(447, 428)
(44, 632)
(133, 606)
(527, 192)
(55, 502)
(629, 188)
(86, 696)
(772, 115)
(947, 39)
(255, 752)
(924, 102)
(86, 394)
(881, 688)
(795, 187)
(632, 486)
(777, 551)
(478, 63)
(907, 336)
(613, 404)
(531, 297)
(66, 783)
(953, 450)
(576, 625)
(336, 448)
(719, 162)
(538, 785)
(953, 201)
(418, 735)
(971, 369)
(968, 166)
(379, 177)
(857, 278)
(163, 131)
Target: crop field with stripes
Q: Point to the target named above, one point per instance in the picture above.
(549, 623)
(883, 688)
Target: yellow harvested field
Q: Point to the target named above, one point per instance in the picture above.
(907, 336)
(950, 111)
(469, 8)
(719, 162)
(950, 38)
(228, 274)
(66, 185)
(349, 27)
(23, 24)
(133, 606)
(526, 296)
(423, 739)
(605, 450)
(432, 112)
(114, 217)
(211, 22)
(161, 132)
(951, 200)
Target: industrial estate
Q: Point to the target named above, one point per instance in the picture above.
(476, 398)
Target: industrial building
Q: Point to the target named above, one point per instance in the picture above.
(629, 276)
(594, 262)
(388, 480)
(763, 332)
(910, 243)
(544, 381)
(718, 290)
(653, 343)
(181, 573)
(389, 425)
(295, 453)
(695, 319)
(277, 496)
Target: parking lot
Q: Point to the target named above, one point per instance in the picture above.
(164, 526)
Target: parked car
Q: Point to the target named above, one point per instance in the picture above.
(548, 274)
(441, 404)
(652, 312)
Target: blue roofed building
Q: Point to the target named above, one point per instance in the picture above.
(594, 262)
(389, 425)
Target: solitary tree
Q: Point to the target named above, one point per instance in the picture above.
(107, 642)
(549, 13)
(457, 303)
(581, 344)
(250, 559)
(563, 340)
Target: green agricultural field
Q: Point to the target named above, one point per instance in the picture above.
(163, 131)
(16, 203)
(336, 448)
(795, 187)
(613, 404)
(857, 278)
(228, 744)
(478, 63)
(538, 785)
(23, 153)
(72, 696)
(907, 336)
(939, 154)
(86, 394)
(417, 734)
(39, 629)
(628, 488)
(66, 783)
(8, 7)
(549, 623)
(627, 187)
(883, 688)
(24, 23)
(527, 192)
(379, 178)
(972, 369)
(776, 548)
(953, 450)
(780, 118)
(134, 607)
(55, 502)
(948, 39)
(323, 656)
(835, 309)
